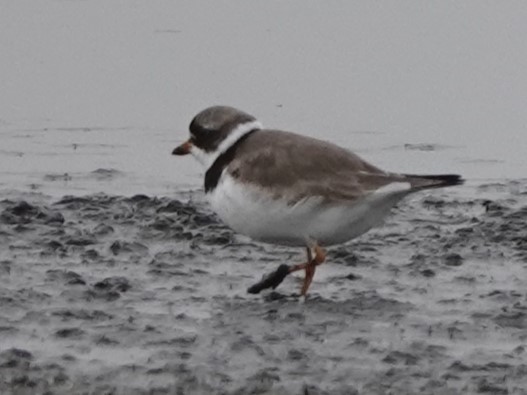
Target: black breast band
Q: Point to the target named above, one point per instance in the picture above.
(213, 174)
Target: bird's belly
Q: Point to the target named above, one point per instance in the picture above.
(253, 212)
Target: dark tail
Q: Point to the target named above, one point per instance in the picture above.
(434, 181)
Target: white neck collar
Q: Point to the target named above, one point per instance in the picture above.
(208, 158)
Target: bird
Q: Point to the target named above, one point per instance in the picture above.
(285, 188)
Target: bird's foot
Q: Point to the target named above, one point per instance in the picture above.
(308, 278)
(310, 267)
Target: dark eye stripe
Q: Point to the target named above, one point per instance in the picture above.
(205, 139)
(198, 132)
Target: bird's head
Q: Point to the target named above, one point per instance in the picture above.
(214, 130)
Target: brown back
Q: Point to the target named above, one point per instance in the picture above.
(294, 167)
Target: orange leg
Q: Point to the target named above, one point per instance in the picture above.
(272, 280)
(310, 267)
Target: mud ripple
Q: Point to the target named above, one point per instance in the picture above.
(146, 295)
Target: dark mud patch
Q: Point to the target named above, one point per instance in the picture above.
(147, 295)
(22, 212)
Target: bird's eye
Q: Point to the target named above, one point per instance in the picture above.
(202, 137)
(198, 133)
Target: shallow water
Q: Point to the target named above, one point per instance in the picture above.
(115, 276)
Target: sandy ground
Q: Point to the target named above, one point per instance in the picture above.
(147, 295)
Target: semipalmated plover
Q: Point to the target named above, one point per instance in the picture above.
(284, 188)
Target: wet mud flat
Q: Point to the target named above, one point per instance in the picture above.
(105, 294)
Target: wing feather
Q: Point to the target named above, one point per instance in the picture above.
(296, 167)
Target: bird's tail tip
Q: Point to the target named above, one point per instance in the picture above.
(435, 180)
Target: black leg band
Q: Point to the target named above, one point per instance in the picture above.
(271, 280)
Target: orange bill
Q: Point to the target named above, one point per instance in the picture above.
(183, 149)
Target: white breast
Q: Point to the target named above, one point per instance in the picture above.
(251, 211)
